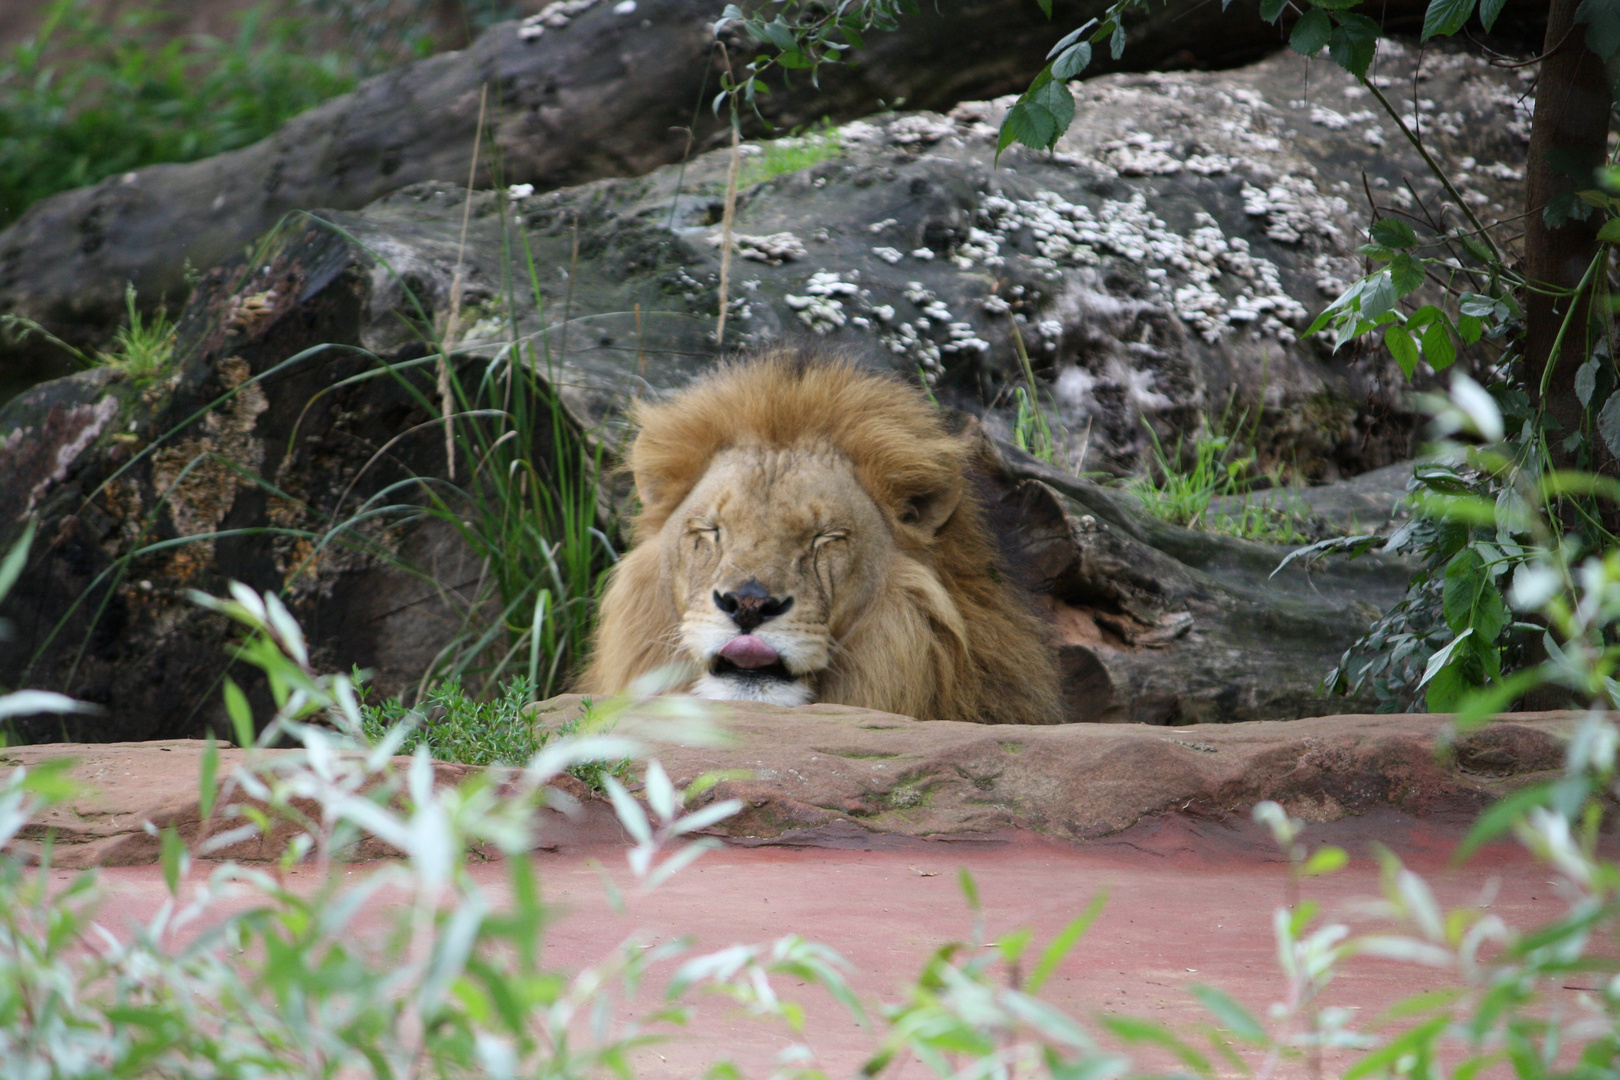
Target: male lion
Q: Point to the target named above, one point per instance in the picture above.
(807, 534)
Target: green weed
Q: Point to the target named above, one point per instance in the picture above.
(1183, 493)
(1031, 432)
(498, 730)
(144, 346)
(789, 154)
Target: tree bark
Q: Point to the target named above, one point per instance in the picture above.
(1568, 143)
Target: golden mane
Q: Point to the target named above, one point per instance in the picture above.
(952, 639)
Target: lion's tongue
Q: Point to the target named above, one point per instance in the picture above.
(748, 651)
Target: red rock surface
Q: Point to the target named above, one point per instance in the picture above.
(857, 824)
(831, 776)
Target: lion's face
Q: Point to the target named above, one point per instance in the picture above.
(772, 557)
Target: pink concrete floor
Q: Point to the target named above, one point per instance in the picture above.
(1187, 903)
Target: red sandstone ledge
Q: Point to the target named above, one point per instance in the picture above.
(828, 775)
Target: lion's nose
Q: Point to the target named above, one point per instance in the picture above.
(750, 604)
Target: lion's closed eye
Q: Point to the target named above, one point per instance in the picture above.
(822, 539)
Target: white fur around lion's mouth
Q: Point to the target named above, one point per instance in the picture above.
(773, 684)
(770, 691)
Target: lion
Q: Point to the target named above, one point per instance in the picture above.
(808, 533)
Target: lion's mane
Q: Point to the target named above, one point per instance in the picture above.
(954, 640)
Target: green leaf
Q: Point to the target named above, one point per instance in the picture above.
(1445, 17)
(1046, 7)
(1437, 346)
(207, 790)
(1500, 816)
(1383, 1060)
(1116, 43)
(241, 714)
(173, 859)
(1070, 38)
(1442, 659)
(1402, 348)
(1469, 328)
(1054, 953)
(12, 567)
(1325, 860)
(1026, 124)
(1447, 689)
(1489, 10)
(1040, 116)
(1405, 273)
(1423, 316)
(1586, 380)
(1470, 597)
(1378, 297)
(1477, 248)
(1354, 43)
(1233, 1018)
(1311, 32)
(1073, 61)
(1393, 233)
(1271, 10)
(1609, 423)
(1136, 1030)
(778, 33)
(1610, 232)
(970, 889)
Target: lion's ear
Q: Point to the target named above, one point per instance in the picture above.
(928, 511)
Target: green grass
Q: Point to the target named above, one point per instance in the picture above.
(1182, 486)
(144, 345)
(495, 730)
(94, 93)
(790, 154)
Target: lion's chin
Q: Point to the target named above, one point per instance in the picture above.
(736, 686)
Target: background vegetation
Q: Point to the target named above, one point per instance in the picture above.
(101, 89)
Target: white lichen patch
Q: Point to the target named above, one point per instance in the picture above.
(888, 254)
(919, 129)
(820, 309)
(1213, 281)
(772, 250)
(1294, 209)
(554, 15)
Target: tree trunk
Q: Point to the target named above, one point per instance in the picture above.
(1568, 143)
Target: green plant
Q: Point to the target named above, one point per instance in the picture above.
(1183, 493)
(1031, 432)
(102, 90)
(500, 730)
(287, 984)
(778, 157)
(144, 345)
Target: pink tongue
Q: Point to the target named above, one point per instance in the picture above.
(748, 651)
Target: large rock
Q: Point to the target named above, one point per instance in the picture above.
(581, 91)
(827, 775)
(1155, 281)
